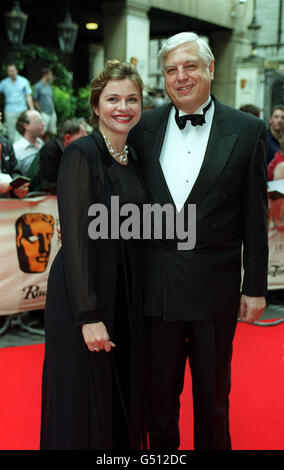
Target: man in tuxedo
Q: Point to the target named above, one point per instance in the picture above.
(193, 297)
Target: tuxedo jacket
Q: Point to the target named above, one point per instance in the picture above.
(230, 193)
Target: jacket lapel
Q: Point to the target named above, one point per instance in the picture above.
(220, 145)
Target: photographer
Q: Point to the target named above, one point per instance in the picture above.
(9, 170)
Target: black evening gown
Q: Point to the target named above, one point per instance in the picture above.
(93, 400)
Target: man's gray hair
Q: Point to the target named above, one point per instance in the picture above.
(183, 38)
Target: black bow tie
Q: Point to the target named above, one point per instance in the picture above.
(196, 119)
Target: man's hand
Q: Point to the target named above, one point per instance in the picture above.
(251, 308)
(22, 191)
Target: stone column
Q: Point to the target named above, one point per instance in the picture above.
(250, 86)
(96, 59)
(127, 33)
(228, 48)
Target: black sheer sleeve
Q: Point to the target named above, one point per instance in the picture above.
(76, 187)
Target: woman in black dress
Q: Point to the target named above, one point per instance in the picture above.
(93, 374)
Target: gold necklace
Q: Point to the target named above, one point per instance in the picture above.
(120, 157)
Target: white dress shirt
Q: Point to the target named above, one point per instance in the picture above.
(183, 152)
(25, 153)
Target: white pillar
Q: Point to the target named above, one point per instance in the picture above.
(127, 33)
(228, 48)
(96, 59)
(250, 82)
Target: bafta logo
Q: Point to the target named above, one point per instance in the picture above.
(33, 238)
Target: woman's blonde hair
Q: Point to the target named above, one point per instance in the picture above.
(113, 70)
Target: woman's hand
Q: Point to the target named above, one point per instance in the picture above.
(96, 337)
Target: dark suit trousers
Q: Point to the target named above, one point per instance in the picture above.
(208, 346)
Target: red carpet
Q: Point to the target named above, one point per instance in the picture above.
(20, 396)
(257, 404)
(257, 397)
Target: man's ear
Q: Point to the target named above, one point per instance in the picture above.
(211, 69)
(66, 140)
(25, 125)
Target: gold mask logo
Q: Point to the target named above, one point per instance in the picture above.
(33, 237)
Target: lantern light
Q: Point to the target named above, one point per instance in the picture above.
(67, 34)
(15, 23)
(91, 25)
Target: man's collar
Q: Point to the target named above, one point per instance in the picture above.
(274, 136)
(27, 143)
(199, 110)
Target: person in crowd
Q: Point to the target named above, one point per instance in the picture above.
(250, 108)
(18, 98)
(51, 153)
(275, 131)
(31, 127)
(197, 153)
(93, 368)
(275, 169)
(44, 102)
(159, 97)
(148, 100)
(9, 170)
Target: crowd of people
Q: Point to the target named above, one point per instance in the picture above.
(34, 143)
(274, 142)
(33, 136)
(130, 314)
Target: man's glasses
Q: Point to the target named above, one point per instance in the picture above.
(37, 121)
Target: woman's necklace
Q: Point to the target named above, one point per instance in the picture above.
(120, 157)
